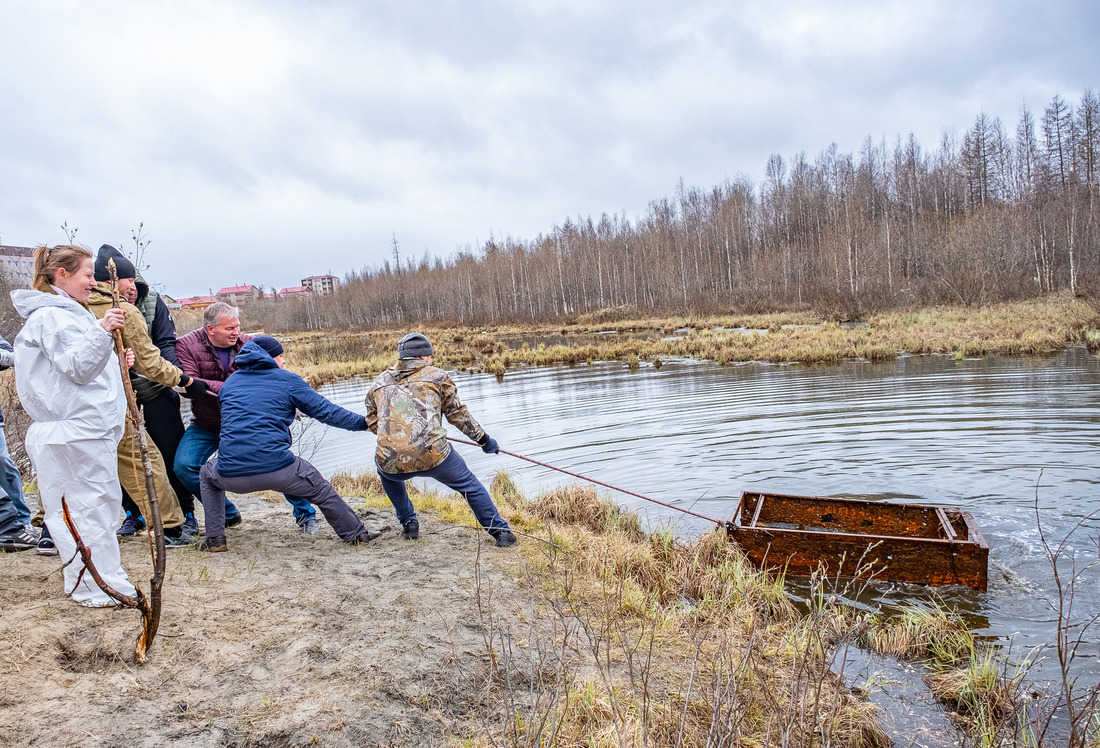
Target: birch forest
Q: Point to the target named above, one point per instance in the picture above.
(997, 212)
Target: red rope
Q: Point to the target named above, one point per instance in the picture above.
(718, 522)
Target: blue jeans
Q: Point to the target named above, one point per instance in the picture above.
(455, 475)
(11, 481)
(195, 448)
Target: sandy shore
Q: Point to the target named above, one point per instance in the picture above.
(286, 640)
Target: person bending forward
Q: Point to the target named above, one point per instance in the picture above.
(406, 405)
(258, 404)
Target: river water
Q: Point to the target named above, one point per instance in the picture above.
(997, 437)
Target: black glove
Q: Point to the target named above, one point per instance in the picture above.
(489, 445)
(193, 387)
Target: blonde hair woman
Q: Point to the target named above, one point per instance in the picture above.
(69, 382)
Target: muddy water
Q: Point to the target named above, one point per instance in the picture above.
(997, 437)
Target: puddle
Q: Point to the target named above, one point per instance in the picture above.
(908, 712)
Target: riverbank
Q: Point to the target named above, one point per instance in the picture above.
(589, 632)
(1035, 327)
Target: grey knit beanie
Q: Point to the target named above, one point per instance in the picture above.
(414, 345)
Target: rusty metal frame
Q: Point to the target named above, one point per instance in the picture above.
(860, 539)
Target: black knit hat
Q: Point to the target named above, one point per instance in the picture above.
(123, 267)
(269, 344)
(414, 345)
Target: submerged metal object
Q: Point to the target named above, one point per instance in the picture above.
(863, 539)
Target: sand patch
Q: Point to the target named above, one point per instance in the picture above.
(286, 640)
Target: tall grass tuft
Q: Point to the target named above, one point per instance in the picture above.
(580, 505)
(978, 692)
(921, 631)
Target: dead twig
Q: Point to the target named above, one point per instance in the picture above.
(138, 600)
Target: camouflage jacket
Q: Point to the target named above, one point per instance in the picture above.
(406, 405)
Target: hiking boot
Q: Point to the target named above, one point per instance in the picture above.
(365, 537)
(16, 542)
(412, 530)
(190, 524)
(46, 547)
(505, 538)
(232, 520)
(132, 525)
(181, 540)
(214, 544)
(308, 526)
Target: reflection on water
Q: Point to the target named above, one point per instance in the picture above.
(908, 711)
(1001, 438)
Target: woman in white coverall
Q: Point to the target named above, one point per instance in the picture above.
(69, 382)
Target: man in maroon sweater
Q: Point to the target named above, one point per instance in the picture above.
(209, 354)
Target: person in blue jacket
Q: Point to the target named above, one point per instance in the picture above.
(258, 405)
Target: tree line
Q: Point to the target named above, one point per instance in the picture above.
(986, 216)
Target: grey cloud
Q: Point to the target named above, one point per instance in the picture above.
(281, 124)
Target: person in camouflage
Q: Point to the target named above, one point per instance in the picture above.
(406, 405)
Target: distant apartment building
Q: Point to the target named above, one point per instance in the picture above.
(236, 295)
(17, 264)
(321, 284)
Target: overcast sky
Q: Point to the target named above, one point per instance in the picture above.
(262, 141)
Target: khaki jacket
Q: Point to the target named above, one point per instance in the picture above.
(135, 334)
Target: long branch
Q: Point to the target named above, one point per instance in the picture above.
(150, 616)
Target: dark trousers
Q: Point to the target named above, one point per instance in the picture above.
(455, 475)
(9, 517)
(297, 479)
(164, 425)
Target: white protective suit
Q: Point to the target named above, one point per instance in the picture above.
(69, 382)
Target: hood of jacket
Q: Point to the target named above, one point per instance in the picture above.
(66, 373)
(252, 356)
(142, 288)
(27, 301)
(146, 301)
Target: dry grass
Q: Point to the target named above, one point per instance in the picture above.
(921, 632)
(591, 632)
(1035, 327)
(641, 639)
(980, 695)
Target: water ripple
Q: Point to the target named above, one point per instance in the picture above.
(994, 436)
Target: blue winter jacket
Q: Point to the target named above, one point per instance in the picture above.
(258, 403)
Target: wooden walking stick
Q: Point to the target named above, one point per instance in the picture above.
(149, 607)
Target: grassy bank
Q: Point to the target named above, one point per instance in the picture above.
(1035, 327)
(632, 638)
